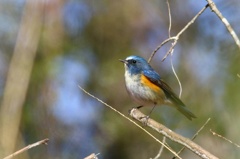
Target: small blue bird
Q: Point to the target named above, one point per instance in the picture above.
(146, 87)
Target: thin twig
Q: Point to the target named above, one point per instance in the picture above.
(161, 149)
(194, 136)
(170, 19)
(192, 21)
(169, 35)
(159, 46)
(171, 49)
(44, 141)
(224, 138)
(184, 29)
(175, 74)
(99, 100)
(198, 150)
(175, 38)
(214, 8)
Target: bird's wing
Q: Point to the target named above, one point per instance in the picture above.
(152, 76)
(155, 78)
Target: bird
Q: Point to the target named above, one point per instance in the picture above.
(145, 86)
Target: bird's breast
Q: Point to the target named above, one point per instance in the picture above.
(142, 90)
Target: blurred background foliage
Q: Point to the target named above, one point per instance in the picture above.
(80, 42)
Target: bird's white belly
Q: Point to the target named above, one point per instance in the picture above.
(142, 94)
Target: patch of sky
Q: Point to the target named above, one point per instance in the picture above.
(76, 15)
(72, 106)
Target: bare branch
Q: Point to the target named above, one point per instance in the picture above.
(136, 114)
(183, 30)
(214, 8)
(159, 46)
(195, 135)
(224, 138)
(175, 38)
(170, 19)
(179, 82)
(161, 149)
(44, 141)
(92, 156)
(169, 34)
(124, 116)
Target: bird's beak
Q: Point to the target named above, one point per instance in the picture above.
(123, 61)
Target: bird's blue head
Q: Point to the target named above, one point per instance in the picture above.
(135, 64)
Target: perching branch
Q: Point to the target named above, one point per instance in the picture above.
(214, 9)
(135, 113)
(133, 122)
(198, 150)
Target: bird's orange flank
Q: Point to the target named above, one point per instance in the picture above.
(145, 81)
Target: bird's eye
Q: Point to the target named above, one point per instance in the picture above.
(134, 61)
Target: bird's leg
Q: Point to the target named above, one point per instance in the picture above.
(152, 109)
(148, 116)
(138, 107)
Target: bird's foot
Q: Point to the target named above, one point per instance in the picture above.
(145, 118)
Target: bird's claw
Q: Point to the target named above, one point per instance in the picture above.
(146, 119)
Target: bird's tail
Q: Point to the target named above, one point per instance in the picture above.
(180, 106)
(183, 109)
(175, 101)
